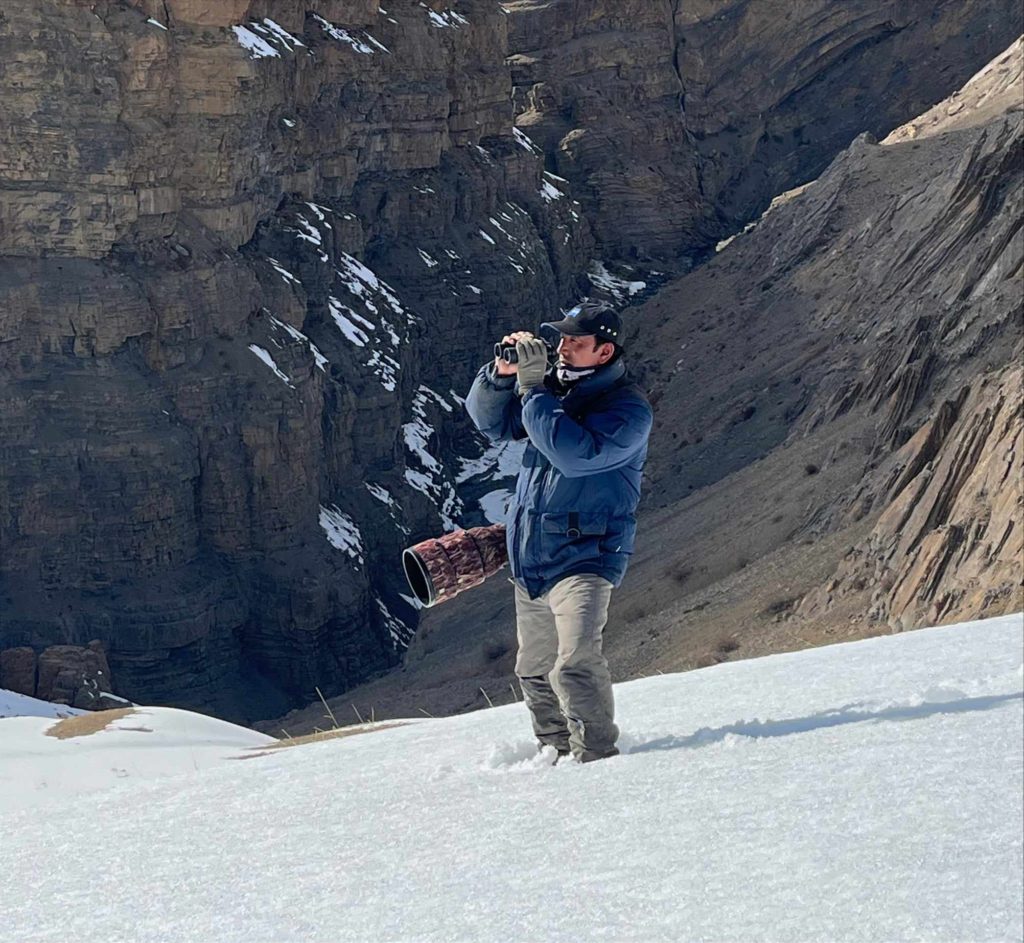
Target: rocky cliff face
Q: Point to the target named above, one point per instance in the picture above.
(251, 252)
(676, 122)
(221, 412)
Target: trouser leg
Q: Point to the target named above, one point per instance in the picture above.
(580, 675)
(538, 650)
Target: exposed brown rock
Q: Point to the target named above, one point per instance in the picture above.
(949, 546)
(18, 670)
(70, 674)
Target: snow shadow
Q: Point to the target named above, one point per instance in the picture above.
(837, 717)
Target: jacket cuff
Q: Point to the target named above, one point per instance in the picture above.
(499, 383)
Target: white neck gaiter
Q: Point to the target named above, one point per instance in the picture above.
(567, 375)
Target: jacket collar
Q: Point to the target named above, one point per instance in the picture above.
(597, 382)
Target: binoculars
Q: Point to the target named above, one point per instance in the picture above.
(507, 352)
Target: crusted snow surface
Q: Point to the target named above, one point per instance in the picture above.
(279, 33)
(495, 504)
(417, 434)
(155, 22)
(860, 793)
(265, 39)
(363, 283)
(381, 494)
(321, 213)
(342, 532)
(345, 318)
(425, 393)
(487, 238)
(428, 259)
(386, 498)
(48, 767)
(22, 705)
(378, 298)
(264, 355)
(499, 460)
(386, 369)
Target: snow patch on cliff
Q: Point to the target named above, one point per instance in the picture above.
(266, 39)
(360, 45)
(297, 335)
(431, 482)
(618, 288)
(342, 532)
(445, 19)
(264, 355)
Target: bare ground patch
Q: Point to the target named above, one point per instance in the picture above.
(85, 725)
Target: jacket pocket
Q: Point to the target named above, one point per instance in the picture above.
(572, 525)
(568, 538)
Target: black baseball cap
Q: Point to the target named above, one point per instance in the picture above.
(591, 317)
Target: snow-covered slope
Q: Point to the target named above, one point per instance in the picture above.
(869, 791)
(46, 761)
(21, 705)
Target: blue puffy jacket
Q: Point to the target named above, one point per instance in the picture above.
(580, 481)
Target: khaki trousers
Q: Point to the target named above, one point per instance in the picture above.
(562, 669)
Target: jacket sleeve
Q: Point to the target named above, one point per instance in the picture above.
(493, 406)
(603, 441)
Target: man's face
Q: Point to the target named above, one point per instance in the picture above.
(584, 350)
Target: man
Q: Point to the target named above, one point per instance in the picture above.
(570, 524)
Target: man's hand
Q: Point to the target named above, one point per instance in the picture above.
(503, 369)
(533, 363)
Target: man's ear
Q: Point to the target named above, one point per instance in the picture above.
(606, 352)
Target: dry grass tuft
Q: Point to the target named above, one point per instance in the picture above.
(334, 734)
(86, 724)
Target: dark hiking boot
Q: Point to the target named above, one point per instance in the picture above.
(588, 756)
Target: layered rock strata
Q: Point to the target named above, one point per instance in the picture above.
(250, 254)
(873, 321)
(247, 252)
(676, 122)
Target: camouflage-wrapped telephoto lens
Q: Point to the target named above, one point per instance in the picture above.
(439, 569)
